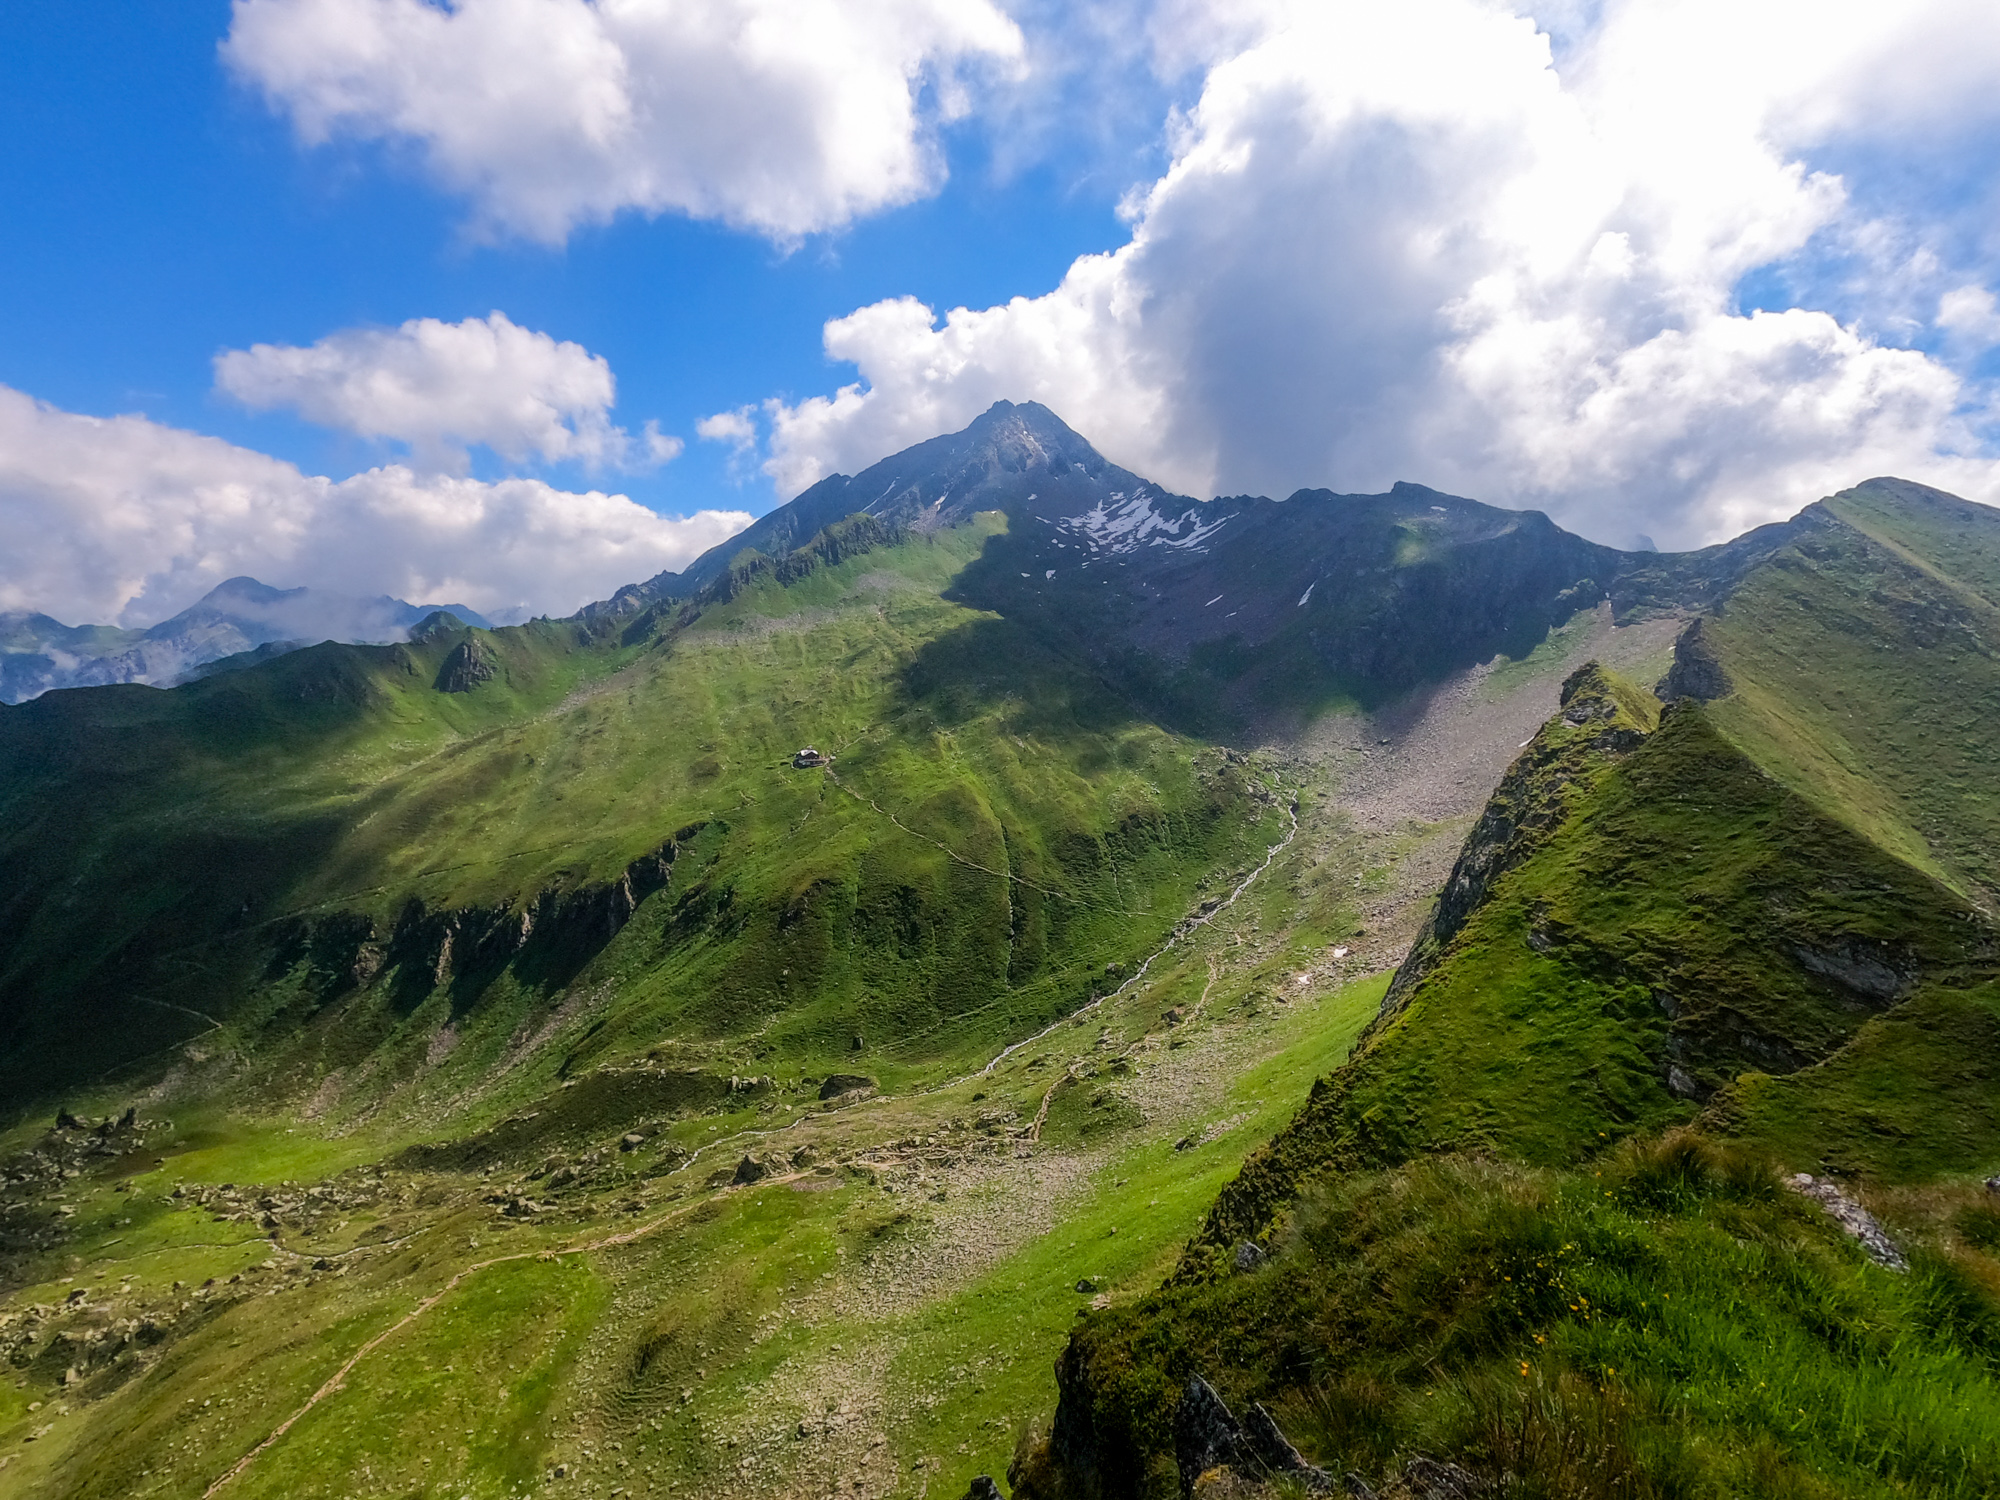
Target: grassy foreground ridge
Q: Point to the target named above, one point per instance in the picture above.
(1539, 1226)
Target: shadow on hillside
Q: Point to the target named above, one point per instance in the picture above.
(1010, 667)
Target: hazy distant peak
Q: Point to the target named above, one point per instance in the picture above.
(39, 654)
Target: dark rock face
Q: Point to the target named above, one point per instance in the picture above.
(1865, 970)
(552, 933)
(1697, 671)
(468, 664)
(1207, 1435)
(844, 1083)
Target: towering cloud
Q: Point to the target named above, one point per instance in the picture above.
(779, 116)
(1417, 241)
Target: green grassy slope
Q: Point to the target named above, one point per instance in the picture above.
(1677, 918)
(337, 861)
(883, 1306)
(1762, 920)
(1867, 675)
(1670, 1323)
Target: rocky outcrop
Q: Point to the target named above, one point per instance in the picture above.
(1872, 973)
(466, 665)
(1208, 1436)
(1697, 672)
(838, 1084)
(1865, 1228)
(558, 928)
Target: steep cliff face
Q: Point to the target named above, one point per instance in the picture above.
(1697, 672)
(549, 934)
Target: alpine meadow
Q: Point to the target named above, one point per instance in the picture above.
(1000, 750)
(1003, 970)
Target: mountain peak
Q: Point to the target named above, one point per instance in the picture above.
(1012, 455)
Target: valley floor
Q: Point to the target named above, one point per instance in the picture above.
(783, 1296)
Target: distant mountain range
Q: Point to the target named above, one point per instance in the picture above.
(239, 618)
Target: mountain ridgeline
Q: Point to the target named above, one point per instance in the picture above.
(1241, 611)
(1109, 944)
(167, 851)
(236, 624)
(1743, 927)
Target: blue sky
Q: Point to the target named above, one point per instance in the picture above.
(1672, 269)
(164, 213)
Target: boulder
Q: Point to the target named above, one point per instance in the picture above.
(1697, 672)
(1208, 1436)
(844, 1083)
(1434, 1479)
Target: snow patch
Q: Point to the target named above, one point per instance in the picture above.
(1122, 523)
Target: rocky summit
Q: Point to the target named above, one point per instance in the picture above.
(1002, 980)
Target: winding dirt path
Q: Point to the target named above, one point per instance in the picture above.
(339, 1377)
(333, 1383)
(952, 854)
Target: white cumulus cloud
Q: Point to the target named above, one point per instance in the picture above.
(125, 520)
(1416, 241)
(780, 116)
(440, 387)
(736, 428)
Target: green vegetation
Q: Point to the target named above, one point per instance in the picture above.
(1672, 1323)
(1663, 918)
(1867, 681)
(542, 1086)
(1496, 1237)
(335, 888)
(379, 1107)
